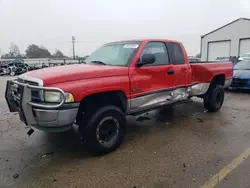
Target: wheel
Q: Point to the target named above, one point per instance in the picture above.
(214, 98)
(12, 73)
(105, 130)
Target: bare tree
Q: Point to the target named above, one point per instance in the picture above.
(58, 54)
(14, 50)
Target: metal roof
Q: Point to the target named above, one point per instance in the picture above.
(225, 26)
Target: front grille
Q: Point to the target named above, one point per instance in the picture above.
(237, 82)
(36, 94)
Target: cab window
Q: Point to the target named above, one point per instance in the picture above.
(159, 49)
(175, 53)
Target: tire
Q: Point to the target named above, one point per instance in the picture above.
(93, 133)
(214, 98)
(12, 73)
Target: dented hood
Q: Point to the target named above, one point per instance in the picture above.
(74, 72)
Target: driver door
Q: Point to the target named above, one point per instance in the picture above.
(151, 84)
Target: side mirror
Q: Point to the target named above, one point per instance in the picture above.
(146, 59)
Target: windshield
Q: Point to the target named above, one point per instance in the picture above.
(242, 65)
(116, 54)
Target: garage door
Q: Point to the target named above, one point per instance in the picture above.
(218, 49)
(244, 46)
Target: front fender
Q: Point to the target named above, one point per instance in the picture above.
(82, 88)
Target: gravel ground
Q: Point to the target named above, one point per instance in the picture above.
(182, 147)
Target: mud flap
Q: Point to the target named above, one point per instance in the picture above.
(30, 132)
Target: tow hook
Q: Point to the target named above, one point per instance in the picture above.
(30, 132)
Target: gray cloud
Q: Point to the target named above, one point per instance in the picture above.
(51, 23)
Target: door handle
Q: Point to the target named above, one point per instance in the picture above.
(170, 72)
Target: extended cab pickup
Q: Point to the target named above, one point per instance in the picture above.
(118, 79)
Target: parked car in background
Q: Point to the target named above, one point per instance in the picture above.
(245, 56)
(13, 68)
(233, 59)
(194, 59)
(222, 59)
(33, 67)
(4, 70)
(241, 75)
(17, 68)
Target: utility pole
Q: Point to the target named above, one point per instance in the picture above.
(73, 42)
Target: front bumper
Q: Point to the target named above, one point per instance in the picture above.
(44, 116)
(240, 84)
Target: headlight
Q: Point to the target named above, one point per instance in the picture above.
(53, 96)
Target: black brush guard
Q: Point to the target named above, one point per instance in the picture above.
(19, 99)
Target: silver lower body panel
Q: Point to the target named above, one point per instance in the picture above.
(161, 98)
(228, 83)
(198, 89)
(55, 120)
(58, 119)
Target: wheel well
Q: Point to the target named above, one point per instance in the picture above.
(93, 101)
(218, 79)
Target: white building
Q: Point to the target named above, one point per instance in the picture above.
(232, 39)
(37, 61)
(64, 61)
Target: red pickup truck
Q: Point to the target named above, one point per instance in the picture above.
(118, 79)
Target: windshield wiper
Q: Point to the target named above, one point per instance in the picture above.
(98, 62)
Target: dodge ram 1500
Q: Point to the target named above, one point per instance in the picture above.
(118, 79)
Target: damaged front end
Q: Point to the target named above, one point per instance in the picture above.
(22, 97)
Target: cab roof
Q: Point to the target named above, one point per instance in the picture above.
(146, 40)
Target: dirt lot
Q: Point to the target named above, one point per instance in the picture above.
(184, 147)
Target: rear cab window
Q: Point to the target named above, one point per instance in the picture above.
(175, 53)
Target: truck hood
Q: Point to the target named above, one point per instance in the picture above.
(74, 72)
(242, 74)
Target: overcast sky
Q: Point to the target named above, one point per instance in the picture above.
(51, 23)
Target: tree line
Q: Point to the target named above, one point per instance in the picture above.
(32, 51)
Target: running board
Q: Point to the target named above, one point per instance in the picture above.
(184, 102)
(150, 109)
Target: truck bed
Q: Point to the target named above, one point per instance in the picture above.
(203, 72)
